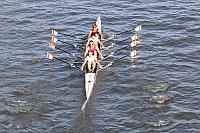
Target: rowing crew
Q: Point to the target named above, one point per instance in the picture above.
(92, 51)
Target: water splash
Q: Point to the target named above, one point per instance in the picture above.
(159, 123)
(17, 103)
(160, 88)
(35, 60)
(160, 99)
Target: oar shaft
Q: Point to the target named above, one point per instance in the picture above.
(70, 64)
(61, 60)
(122, 48)
(67, 52)
(66, 34)
(64, 42)
(116, 51)
(82, 38)
(71, 44)
(123, 32)
(122, 57)
(64, 51)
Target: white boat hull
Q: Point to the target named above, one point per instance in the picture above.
(89, 83)
(90, 78)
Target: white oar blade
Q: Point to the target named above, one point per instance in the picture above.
(134, 37)
(54, 33)
(133, 53)
(138, 28)
(133, 44)
(49, 56)
(54, 39)
(52, 45)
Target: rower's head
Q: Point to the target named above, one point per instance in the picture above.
(94, 27)
(93, 36)
(91, 43)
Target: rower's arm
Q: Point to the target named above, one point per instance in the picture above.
(100, 43)
(88, 42)
(98, 63)
(101, 35)
(98, 51)
(101, 56)
(89, 35)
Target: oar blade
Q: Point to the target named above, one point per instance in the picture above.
(54, 39)
(52, 45)
(49, 56)
(134, 37)
(54, 33)
(133, 44)
(133, 53)
(138, 28)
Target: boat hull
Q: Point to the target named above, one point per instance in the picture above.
(90, 78)
(89, 83)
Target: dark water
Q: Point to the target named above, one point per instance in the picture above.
(156, 92)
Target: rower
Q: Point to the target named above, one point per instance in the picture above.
(96, 41)
(92, 48)
(94, 31)
(91, 61)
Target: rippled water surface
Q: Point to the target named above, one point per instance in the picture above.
(156, 92)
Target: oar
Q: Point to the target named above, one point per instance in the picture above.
(111, 54)
(109, 64)
(55, 41)
(50, 56)
(84, 37)
(106, 56)
(108, 39)
(132, 54)
(55, 33)
(121, 58)
(138, 28)
(134, 38)
(53, 46)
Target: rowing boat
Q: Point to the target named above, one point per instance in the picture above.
(90, 77)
